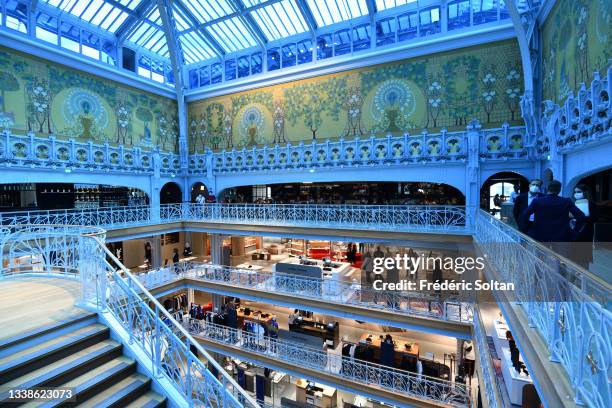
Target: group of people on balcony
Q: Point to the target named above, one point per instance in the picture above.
(558, 221)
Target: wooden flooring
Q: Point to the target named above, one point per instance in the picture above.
(28, 303)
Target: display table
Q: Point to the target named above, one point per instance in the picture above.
(400, 347)
(514, 381)
(254, 316)
(315, 394)
(499, 334)
(321, 330)
(250, 267)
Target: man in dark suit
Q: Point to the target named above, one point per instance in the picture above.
(521, 203)
(552, 216)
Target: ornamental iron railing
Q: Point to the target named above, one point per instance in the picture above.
(31, 151)
(565, 304)
(489, 378)
(507, 142)
(398, 381)
(405, 218)
(582, 119)
(329, 290)
(110, 289)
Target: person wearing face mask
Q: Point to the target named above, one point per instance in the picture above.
(522, 202)
(552, 219)
(582, 252)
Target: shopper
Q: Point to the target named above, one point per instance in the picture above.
(523, 201)
(552, 218)
(148, 254)
(367, 267)
(582, 253)
(379, 253)
(515, 193)
(349, 253)
(387, 352)
(175, 260)
(187, 251)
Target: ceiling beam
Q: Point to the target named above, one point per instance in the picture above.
(308, 16)
(136, 16)
(217, 48)
(230, 15)
(371, 7)
(250, 23)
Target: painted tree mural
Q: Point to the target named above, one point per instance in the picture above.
(312, 101)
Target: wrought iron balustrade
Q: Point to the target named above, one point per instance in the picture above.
(378, 217)
(445, 147)
(565, 304)
(372, 374)
(489, 377)
(31, 151)
(449, 219)
(582, 119)
(111, 290)
(329, 290)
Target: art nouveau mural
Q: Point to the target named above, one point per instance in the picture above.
(49, 99)
(444, 90)
(576, 41)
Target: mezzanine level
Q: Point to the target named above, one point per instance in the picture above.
(450, 316)
(442, 223)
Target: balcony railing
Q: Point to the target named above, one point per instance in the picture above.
(405, 218)
(328, 290)
(111, 290)
(566, 305)
(445, 147)
(401, 382)
(30, 151)
(582, 120)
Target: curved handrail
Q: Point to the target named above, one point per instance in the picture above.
(250, 402)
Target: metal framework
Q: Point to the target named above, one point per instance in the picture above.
(111, 290)
(406, 218)
(564, 304)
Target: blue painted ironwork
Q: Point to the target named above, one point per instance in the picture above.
(582, 120)
(507, 142)
(329, 290)
(407, 218)
(489, 377)
(31, 151)
(402, 382)
(565, 304)
(111, 290)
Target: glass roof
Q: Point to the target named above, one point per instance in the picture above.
(210, 29)
(149, 34)
(336, 11)
(105, 14)
(388, 4)
(278, 20)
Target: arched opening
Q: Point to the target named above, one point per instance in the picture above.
(416, 193)
(170, 193)
(198, 189)
(599, 186)
(497, 191)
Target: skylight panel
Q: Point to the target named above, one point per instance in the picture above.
(335, 11)
(195, 49)
(207, 10)
(279, 20)
(106, 14)
(388, 4)
(232, 34)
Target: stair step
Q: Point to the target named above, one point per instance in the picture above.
(17, 364)
(93, 383)
(149, 400)
(68, 368)
(121, 393)
(41, 331)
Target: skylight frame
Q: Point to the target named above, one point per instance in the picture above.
(103, 14)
